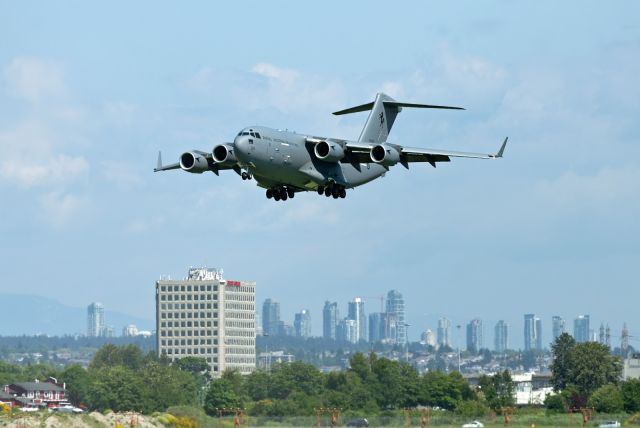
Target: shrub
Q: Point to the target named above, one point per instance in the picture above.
(631, 395)
(472, 408)
(607, 399)
(555, 403)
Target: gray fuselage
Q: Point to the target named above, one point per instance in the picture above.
(285, 158)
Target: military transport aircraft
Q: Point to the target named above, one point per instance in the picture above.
(285, 163)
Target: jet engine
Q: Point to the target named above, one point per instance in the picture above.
(328, 151)
(224, 154)
(385, 155)
(193, 162)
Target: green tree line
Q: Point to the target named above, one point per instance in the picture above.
(122, 379)
(371, 386)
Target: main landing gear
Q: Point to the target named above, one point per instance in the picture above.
(246, 175)
(280, 193)
(335, 190)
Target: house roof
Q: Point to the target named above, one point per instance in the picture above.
(35, 386)
(5, 395)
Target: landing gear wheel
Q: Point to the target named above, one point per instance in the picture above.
(244, 175)
(320, 190)
(343, 193)
(335, 192)
(327, 192)
(276, 196)
(269, 193)
(284, 196)
(291, 193)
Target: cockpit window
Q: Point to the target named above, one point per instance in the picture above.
(245, 133)
(252, 134)
(258, 135)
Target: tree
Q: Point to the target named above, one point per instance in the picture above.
(631, 395)
(442, 390)
(76, 379)
(110, 355)
(221, 394)
(116, 388)
(498, 390)
(606, 399)
(555, 403)
(592, 366)
(387, 385)
(193, 365)
(561, 365)
(164, 386)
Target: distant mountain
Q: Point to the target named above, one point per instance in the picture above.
(28, 315)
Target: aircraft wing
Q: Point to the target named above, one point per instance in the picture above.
(161, 167)
(359, 152)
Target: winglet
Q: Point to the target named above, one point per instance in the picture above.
(501, 151)
(159, 166)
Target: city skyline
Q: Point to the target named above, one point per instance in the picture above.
(475, 337)
(551, 229)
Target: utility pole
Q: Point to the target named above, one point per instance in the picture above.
(406, 326)
(458, 343)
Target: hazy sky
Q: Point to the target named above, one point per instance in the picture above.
(90, 92)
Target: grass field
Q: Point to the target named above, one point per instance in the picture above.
(526, 419)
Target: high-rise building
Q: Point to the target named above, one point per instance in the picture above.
(356, 312)
(378, 327)
(395, 306)
(557, 326)
(581, 329)
(444, 332)
(130, 330)
(346, 331)
(302, 323)
(532, 333)
(624, 341)
(330, 319)
(207, 316)
(429, 338)
(271, 318)
(285, 329)
(501, 336)
(95, 320)
(474, 335)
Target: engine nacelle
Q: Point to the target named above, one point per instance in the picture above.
(328, 151)
(193, 162)
(224, 154)
(385, 155)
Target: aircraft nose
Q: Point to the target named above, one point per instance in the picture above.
(242, 146)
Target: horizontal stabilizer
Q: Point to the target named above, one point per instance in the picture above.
(369, 106)
(396, 104)
(357, 109)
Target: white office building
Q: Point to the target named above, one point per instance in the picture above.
(206, 316)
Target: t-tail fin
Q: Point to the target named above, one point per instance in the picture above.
(383, 113)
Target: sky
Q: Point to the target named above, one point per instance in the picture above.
(89, 93)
